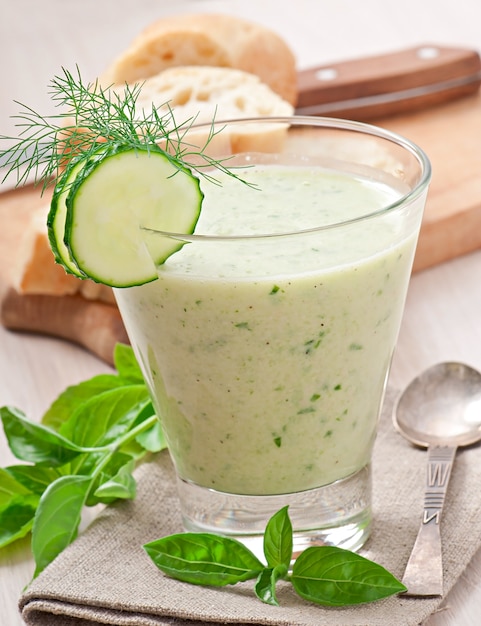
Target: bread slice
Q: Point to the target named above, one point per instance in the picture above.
(37, 273)
(204, 94)
(208, 39)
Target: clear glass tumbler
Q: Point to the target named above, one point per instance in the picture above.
(267, 338)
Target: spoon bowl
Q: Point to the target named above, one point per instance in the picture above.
(439, 410)
(441, 407)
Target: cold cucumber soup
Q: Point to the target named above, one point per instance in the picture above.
(267, 356)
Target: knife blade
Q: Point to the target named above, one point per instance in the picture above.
(388, 84)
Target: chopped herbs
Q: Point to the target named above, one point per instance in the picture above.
(309, 409)
(313, 344)
(244, 325)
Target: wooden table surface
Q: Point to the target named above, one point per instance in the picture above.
(442, 320)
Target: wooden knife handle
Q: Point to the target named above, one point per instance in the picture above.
(94, 325)
(388, 84)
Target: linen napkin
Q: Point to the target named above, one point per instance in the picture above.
(105, 577)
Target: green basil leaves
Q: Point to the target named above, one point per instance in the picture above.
(324, 575)
(83, 453)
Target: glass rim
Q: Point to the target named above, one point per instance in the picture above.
(326, 122)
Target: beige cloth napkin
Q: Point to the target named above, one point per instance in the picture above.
(105, 577)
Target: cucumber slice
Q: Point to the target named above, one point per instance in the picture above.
(56, 221)
(58, 213)
(125, 192)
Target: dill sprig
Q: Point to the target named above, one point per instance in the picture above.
(47, 147)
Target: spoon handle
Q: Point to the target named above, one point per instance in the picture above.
(424, 571)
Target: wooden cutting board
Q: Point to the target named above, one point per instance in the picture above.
(449, 133)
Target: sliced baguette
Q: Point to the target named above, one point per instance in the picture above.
(203, 94)
(208, 39)
(37, 273)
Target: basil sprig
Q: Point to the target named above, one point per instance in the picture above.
(82, 453)
(324, 575)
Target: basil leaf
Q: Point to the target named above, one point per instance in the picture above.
(204, 559)
(265, 586)
(57, 518)
(122, 485)
(116, 461)
(35, 478)
(16, 520)
(17, 508)
(75, 395)
(278, 539)
(102, 419)
(126, 364)
(153, 439)
(33, 442)
(336, 577)
(133, 449)
(145, 412)
(9, 488)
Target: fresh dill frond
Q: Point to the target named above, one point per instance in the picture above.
(89, 116)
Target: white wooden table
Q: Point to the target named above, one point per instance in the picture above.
(443, 314)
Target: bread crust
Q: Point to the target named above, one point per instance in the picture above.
(36, 272)
(208, 39)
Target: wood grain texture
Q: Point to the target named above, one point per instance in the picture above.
(419, 77)
(449, 134)
(94, 325)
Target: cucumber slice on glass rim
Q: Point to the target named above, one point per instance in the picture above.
(110, 205)
(58, 214)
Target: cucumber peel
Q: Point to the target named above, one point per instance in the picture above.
(108, 207)
(58, 214)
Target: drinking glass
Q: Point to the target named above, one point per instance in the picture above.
(267, 338)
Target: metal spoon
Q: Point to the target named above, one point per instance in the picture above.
(439, 410)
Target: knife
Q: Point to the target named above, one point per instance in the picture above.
(389, 84)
